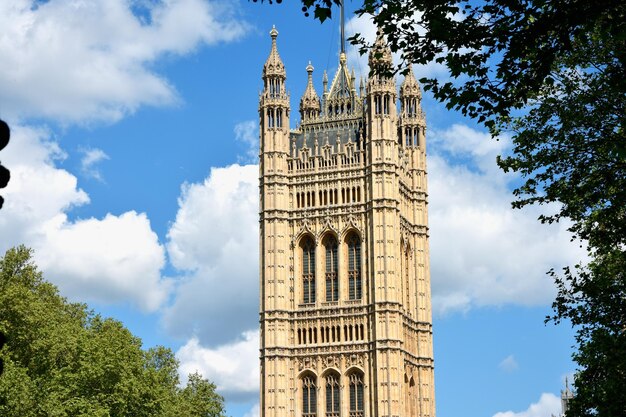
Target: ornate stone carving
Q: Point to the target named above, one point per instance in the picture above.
(343, 170)
(328, 226)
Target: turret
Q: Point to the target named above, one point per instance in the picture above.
(566, 398)
(310, 102)
(274, 102)
(381, 91)
(412, 122)
(410, 94)
(274, 73)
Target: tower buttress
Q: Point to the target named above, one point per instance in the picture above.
(385, 230)
(274, 233)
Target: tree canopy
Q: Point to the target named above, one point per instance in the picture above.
(551, 74)
(61, 359)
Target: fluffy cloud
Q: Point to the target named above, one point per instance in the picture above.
(549, 404)
(91, 60)
(117, 258)
(234, 368)
(214, 239)
(482, 251)
(38, 191)
(109, 260)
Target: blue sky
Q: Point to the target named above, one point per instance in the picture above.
(134, 135)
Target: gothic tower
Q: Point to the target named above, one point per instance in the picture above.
(346, 327)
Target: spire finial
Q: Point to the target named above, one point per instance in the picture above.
(380, 54)
(310, 102)
(274, 65)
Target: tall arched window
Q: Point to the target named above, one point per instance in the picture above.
(308, 270)
(332, 395)
(354, 267)
(309, 396)
(356, 394)
(332, 280)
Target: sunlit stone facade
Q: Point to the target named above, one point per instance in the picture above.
(345, 306)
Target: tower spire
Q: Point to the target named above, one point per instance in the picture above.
(274, 66)
(343, 32)
(274, 101)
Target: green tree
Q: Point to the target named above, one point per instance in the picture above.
(63, 360)
(551, 74)
(199, 398)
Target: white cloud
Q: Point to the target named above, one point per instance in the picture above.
(38, 191)
(549, 404)
(247, 133)
(91, 157)
(214, 239)
(234, 367)
(508, 364)
(110, 260)
(482, 251)
(91, 60)
(117, 258)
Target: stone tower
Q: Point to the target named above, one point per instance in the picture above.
(346, 327)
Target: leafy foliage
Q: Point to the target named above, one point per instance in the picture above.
(593, 298)
(63, 360)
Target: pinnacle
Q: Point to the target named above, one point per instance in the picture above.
(274, 65)
(410, 86)
(380, 55)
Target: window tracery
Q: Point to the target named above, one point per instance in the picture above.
(332, 395)
(332, 280)
(356, 394)
(354, 267)
(308, 270)
(309, 396)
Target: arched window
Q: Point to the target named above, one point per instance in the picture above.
(354, 267)
(332, 280)
(308, 270)
(332, 395)
(356, 394)
(309, 396)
